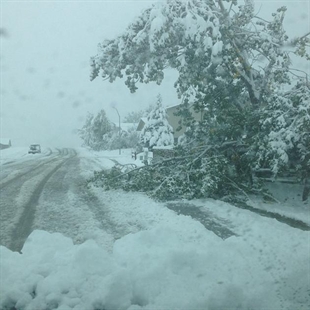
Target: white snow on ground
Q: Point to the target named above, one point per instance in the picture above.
(12, 153)
(289, 202)
(106, 159)
(160, 261)
(103, 158)
(91, 160)
(20, 154)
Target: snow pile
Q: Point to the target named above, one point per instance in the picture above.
(161, 268)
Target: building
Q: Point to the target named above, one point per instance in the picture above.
(5, 143)
(128, 127)
(141, 123)
(173, 120)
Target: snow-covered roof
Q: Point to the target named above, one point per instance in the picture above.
(163, 147)
(173, 106)
(127, 126)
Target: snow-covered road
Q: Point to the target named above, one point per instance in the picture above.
(94, 249)
(46, 191)
(23, 181)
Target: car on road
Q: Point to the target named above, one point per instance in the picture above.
(34, 148)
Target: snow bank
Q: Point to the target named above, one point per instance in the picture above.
(93, 160)
(165, 267)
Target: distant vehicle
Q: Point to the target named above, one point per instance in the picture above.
(34, 148)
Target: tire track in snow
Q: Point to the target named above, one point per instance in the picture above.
(207, 219)
(295, 223)
(13, 198)
(17, 195)
(68, 207)
(4, 183)
(24, 226)
(26, 164)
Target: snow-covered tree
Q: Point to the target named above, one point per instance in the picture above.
(126, 139)
(199, 38)
(285, 127)
(133, 117)
(231, 63)
(85, 132)
(94, 129)
(157, 131)
(284, 139)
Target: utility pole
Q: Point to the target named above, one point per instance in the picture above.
(119, 129)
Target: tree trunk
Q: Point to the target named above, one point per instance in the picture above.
(306, 190)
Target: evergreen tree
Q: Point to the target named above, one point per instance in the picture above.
(157, 131)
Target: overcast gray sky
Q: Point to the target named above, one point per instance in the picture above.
(45, 86)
